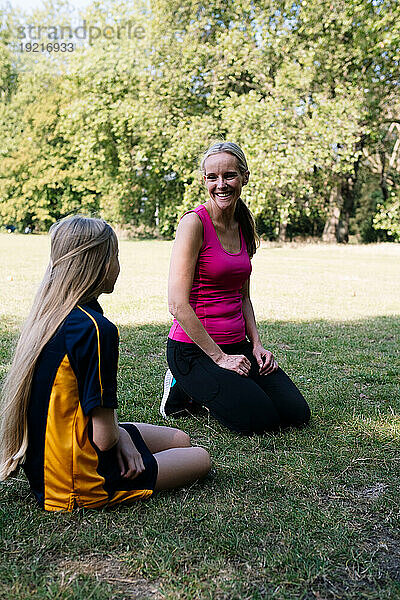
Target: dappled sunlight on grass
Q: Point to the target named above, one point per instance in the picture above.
(282, 513)
(381, 428)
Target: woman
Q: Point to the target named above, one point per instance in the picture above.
(212, 362)
(60, 397)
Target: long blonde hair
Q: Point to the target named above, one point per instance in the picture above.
(81, 250)
(242, 213)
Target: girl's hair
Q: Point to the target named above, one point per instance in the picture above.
(81, 250)
(242, 213)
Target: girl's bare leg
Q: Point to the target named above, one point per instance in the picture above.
(179, 463)
(158, 438)
(180, 466)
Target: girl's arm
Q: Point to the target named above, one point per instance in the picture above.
(105, 428)
(107, 434)
(185, 252)
(265, 358)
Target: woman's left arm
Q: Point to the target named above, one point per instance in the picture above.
(264, 358)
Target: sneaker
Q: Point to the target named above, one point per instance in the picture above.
(174, 403)
(169, 382)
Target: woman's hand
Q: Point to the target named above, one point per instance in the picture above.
(129, 458)
(265, 360)
(234, 362)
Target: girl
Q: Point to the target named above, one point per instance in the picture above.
(60, 397)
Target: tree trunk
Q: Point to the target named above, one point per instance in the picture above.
(282, 232)
(283, 223)
(348, 195)
(341, 204)
(383, 182)
(330, 233)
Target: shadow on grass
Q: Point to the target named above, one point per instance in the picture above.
(299, 514)
(341, 367)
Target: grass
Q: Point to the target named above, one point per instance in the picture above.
(303, 514)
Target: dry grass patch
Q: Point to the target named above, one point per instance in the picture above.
(104, 569)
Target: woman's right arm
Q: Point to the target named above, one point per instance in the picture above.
(185, 252)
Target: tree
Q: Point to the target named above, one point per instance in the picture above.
(308, 89)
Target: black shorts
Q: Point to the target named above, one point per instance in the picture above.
(115, 484)
(147, 479)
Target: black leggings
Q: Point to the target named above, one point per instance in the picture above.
(247, 405)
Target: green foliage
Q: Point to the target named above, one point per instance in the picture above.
(310, 91)
(388, 216)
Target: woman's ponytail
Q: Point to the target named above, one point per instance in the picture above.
(248, 227)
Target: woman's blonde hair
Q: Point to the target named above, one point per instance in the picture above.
(81, 250)
(242, 213)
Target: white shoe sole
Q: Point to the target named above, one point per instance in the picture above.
(167, 386)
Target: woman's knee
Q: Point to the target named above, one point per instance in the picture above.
(299, 413)
(257, 415)
(252, 424)
(304, 415)
(298, 416)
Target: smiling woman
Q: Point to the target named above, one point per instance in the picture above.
(212, 362)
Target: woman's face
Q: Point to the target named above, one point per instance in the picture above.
(223, 179)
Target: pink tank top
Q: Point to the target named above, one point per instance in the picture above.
(215, 296)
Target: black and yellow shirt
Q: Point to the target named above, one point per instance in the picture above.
(75, 372)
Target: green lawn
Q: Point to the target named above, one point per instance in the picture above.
(308, 514)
